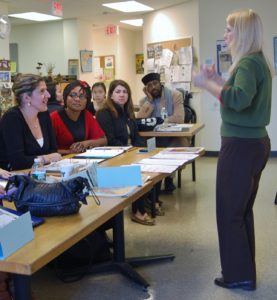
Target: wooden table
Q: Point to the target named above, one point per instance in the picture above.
(188, 133)
(58, 234)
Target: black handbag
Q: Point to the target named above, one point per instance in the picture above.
(48, 199)
(148, 124)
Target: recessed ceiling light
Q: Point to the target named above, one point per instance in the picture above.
(34, 16)
(134, 22)
(128, 6)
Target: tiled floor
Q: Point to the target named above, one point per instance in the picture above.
(189, 231)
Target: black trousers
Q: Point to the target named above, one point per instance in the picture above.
(239, 169)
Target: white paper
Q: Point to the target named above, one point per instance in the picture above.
(150, 64)
(166, 58)
(6, 217)
(185, 55)
(162, 162)
(96, 63)
(174, 73)
(179, 156)
(158, 168)
(185, 73)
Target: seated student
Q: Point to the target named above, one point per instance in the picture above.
(156, 97)
(55, 102)
(98, 91)
(75, 128)
(25, 130)
(117, 119)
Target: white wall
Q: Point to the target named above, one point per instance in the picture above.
(124, 46)
(43, 43)
(56, 42)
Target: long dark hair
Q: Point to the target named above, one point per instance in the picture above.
(128, 106)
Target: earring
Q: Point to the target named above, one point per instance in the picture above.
(29, 104)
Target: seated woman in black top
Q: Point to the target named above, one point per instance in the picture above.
(25, 130)
(117, 119)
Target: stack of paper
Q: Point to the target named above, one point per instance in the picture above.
(101, 152)
(173, 127)
(181, 150)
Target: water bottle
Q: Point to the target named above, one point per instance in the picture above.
(38, 171)
(164, 115)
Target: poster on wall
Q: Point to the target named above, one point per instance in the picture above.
(109, 62)
(224, 59)
(86, 61)
(5, 65)
(139, 64)
(73, 67)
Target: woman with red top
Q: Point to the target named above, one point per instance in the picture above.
(75, 128)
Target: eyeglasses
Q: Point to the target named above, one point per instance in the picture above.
(75, 96)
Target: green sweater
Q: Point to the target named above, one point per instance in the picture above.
(246, 99)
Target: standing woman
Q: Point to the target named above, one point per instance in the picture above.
(117, 119)
(75, 128)
(26, 131)
(245, 146)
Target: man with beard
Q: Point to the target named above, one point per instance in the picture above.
(157, 97)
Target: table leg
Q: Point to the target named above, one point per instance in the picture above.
(22, 287)
(120, 263)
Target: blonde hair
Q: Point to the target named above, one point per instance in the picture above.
(248, 34)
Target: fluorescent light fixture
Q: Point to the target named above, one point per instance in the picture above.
(128, 6)
(34, 16)
(134, 22)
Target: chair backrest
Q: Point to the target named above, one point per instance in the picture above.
(190, 114)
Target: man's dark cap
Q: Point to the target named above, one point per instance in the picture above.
(150, 77)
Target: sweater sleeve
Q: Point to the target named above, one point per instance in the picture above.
(240, 89)
(105, 119)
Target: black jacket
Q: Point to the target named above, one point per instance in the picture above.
(116, 128)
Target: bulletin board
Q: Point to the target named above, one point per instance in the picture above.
(173, 59)
(104, 68)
